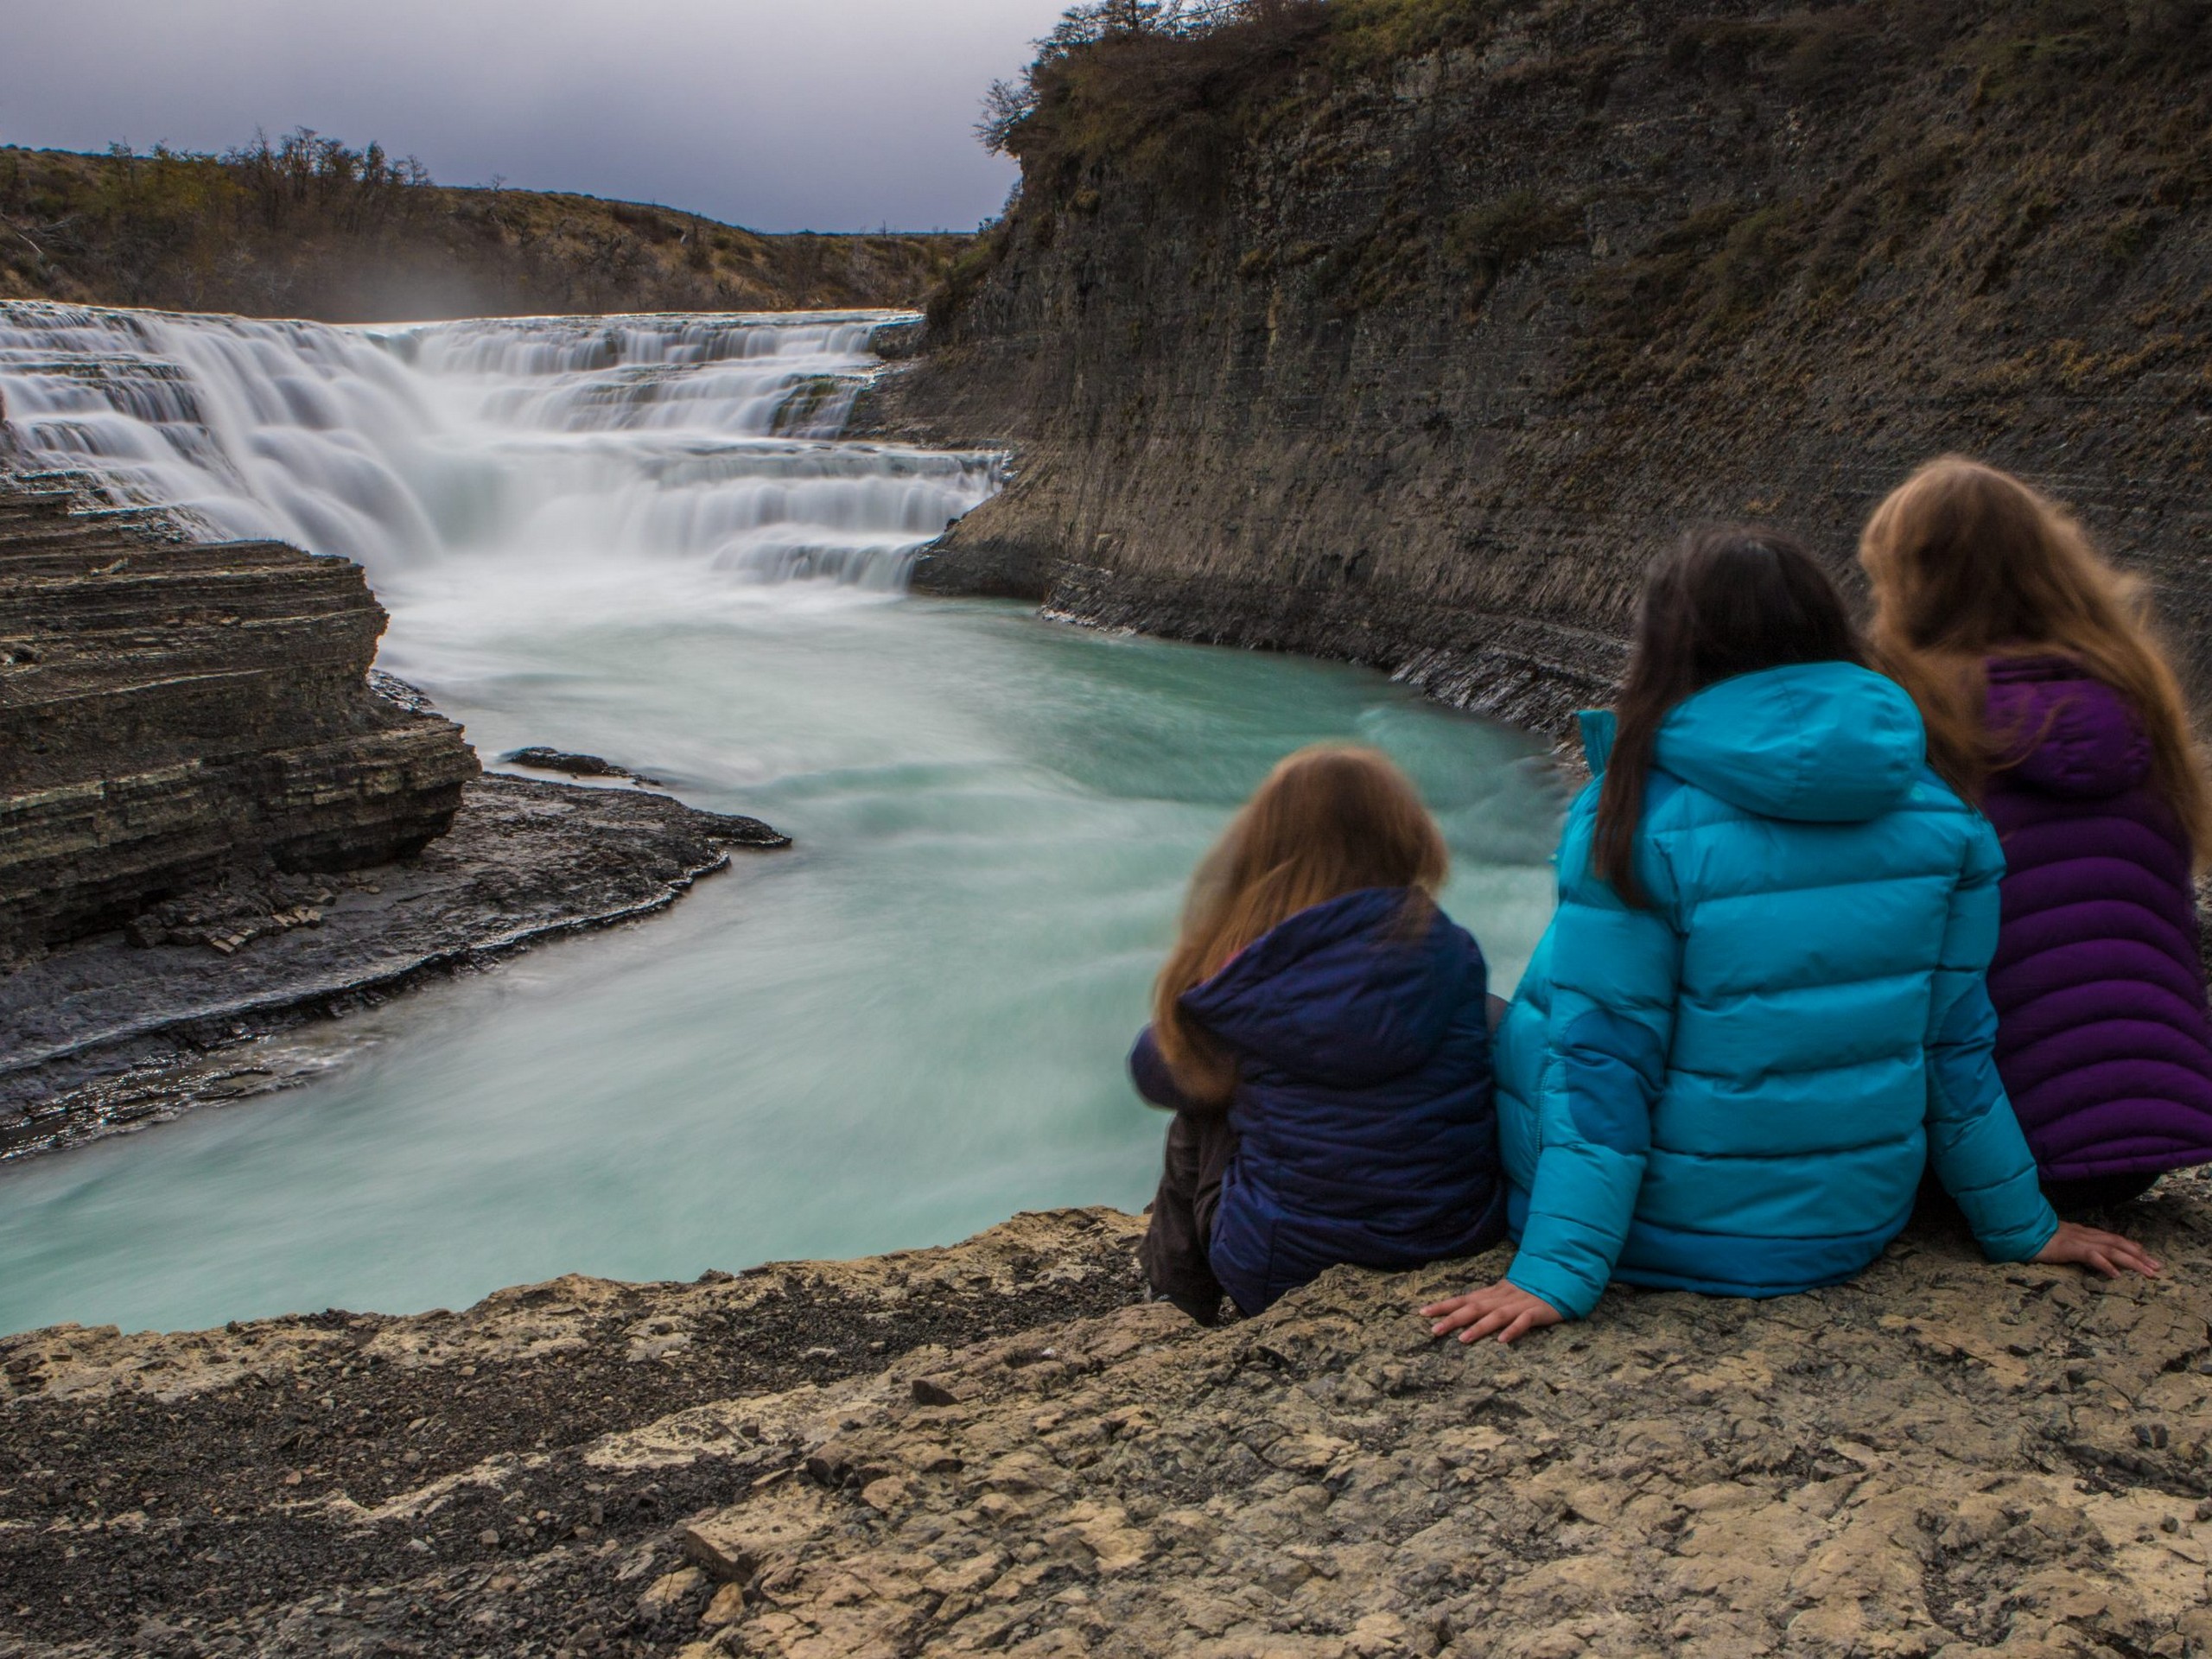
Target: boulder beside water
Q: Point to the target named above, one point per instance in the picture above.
(540, 758)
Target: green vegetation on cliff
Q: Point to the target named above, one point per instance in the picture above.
(309, 227)
(1120, 80)
(1180, 93)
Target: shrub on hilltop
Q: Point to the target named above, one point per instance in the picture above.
(307, 225)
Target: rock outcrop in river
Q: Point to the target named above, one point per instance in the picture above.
(199, 999)
(994, 1448)
(1405, 335)
(171, 710)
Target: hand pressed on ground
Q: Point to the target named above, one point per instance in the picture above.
(1503, 1308)
(2093, 1247)
(1511, 1312)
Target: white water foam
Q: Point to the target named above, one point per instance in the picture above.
(549, 460)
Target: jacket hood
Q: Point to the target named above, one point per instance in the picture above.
(1338, 995)
(2063, 731)
(1814, 742)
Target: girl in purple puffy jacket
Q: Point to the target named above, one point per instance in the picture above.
(2047, 697)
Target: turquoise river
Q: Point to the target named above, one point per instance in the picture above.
(646, 538)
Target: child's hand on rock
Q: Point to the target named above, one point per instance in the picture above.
(1504, 1307)
(2093, 1247)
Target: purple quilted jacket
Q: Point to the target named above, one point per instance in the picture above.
(2102, 1039)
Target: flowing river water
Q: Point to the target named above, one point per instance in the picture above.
(643, 537)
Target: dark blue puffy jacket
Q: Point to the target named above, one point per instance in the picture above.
(1365, 1130)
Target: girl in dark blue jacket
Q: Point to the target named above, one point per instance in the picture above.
(1321, 1034)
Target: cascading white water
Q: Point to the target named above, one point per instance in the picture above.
(561, 449)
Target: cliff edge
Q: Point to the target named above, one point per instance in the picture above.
(994, 1448)
(1406, 334)
(171, 710)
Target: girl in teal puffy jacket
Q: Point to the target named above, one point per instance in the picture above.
(1759, 1015)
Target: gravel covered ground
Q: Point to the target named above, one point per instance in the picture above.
(344, 1482)
(994, 1448)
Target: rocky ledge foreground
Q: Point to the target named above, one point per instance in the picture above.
(992, 1448)
(178, 1008)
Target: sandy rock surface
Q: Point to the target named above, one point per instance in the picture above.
(1945, 1457)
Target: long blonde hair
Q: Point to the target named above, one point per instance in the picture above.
(1968, 562)
(1330, 820)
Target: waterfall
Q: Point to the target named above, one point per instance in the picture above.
(548, 454)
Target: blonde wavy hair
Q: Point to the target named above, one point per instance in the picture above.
(1330, 820)
(1967, 564)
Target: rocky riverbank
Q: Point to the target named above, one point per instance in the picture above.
(190, 1004)
(218, 823)
(994, 1448)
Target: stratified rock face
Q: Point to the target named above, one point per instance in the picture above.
(1417, 361)
(985, 1449)
(171, 709)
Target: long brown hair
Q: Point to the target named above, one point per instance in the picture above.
(1731, 600)
(1330, 820)
(1968, 562)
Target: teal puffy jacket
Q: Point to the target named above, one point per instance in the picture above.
(1736, 1090)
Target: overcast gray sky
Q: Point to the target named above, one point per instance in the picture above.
(779, 114)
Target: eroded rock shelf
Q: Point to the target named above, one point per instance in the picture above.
(180, 1008)
(172, 709)
(994, 1448)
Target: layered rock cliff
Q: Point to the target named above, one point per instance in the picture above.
(170, 710)
(1406, 334)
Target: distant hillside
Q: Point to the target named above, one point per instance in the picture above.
(308, 227)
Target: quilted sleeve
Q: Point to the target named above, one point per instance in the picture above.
(1155, 1082)
(1613, 977)
(1973, 1140)
(1519, 1050)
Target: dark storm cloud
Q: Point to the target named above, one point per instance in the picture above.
(821, 114)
